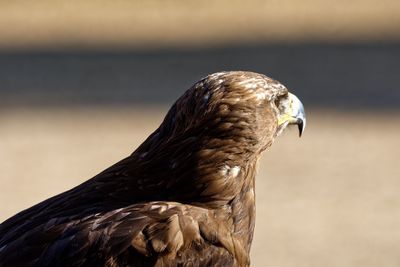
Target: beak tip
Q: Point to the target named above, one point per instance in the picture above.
(301, 126)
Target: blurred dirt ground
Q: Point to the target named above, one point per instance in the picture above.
(330, 198)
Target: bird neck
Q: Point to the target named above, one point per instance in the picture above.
(244, 208)
(213, 173)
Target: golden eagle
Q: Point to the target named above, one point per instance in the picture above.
(185, 197)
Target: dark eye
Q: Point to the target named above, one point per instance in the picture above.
(279, 98)
(277, 102)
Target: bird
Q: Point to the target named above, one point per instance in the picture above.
(184, 197)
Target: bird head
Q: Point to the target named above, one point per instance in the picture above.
(234, 105)
(290, 111)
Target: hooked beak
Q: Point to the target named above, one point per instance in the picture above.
(295, 115)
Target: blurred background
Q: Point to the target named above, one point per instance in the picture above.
(83, 83)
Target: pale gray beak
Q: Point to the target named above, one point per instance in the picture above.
(298, 116)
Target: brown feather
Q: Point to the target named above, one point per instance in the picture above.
(185, 197)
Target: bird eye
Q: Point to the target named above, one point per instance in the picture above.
(277, 102)
(279, 98)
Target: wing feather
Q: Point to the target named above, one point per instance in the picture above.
(163, 232)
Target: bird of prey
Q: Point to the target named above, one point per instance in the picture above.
(184, 197)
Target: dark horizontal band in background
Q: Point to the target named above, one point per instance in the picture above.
(352, 76)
